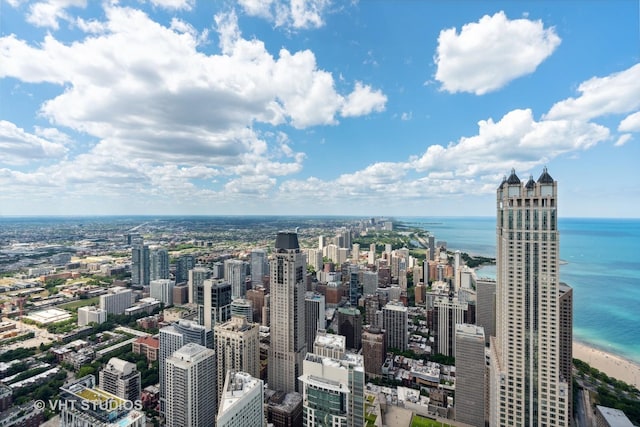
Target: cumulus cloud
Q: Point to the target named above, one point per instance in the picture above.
(140, 103)
(363, 100)
(486, 55)
(296, 14)
(517, 140)
(631, 123)
(174, 4)
(20, 147)
(623, 140)
(617, 93)
(49, 13)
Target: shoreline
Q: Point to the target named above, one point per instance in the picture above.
(611, 364)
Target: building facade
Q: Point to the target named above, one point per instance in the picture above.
(117, 300)
(121, 378)
(314, 312)
(287, 287)
(470, 374)
(527, 384)
(191, 381)
(395, 318)
(237, 345)
(172, 338)
(242, 402)
(333, 387)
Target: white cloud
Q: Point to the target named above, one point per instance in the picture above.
(91, 26)
(616, 93)
(297, 14)
(174, 4)
(48, 13)
(363, 100)
(406, 116)
(631, 123)
(20, 147)
(258, 185)
(139, 103)
(517, 140)
(488, 54)
(623, 139)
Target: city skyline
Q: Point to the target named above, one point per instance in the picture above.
(232, 108)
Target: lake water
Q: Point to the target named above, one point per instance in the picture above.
(602, 265)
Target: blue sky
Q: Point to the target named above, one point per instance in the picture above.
(401, 108)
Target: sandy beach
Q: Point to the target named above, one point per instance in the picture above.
(612, 365)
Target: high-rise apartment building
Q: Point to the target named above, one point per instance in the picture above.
(242, 307)
(197, 276)
(287, 286)
(369, 282)
(528, 387)
(121, 378)
(216, 307)
(116, 300)
(259, 267)
(162, 290)
(486, 307)
(448, 311)
(470, 374)
(83, 405)
(257, 298)
(350, 326)
(395, 318)
(355, 253)
(374, 350)
(236, 272)
(333, 384)
(242, 402)
(191, 381)
(237, 345)
(566, 337)
(158, 264)
(91, 314)
(183, 264)
(314, 312)
(172, 338)
(353, 285)
(140, 265)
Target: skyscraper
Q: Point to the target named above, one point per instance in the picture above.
(395, 318)
(140, 265)
(237, 348)
(528, 387)
(183, 265)
(353, 285)
(486, 307)
(162, 290)
(172, 338)
(121, 378)
(191, 381)
(158, 264)
(259, 267)
(470, 374)
(314, 312)
(350, 326)
(242, 403)
(333, 384)
(288, 346)
(216, 307)
(236, 272)
(197, 276)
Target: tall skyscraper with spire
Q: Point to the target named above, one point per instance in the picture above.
(288, 346)
(528, 387)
